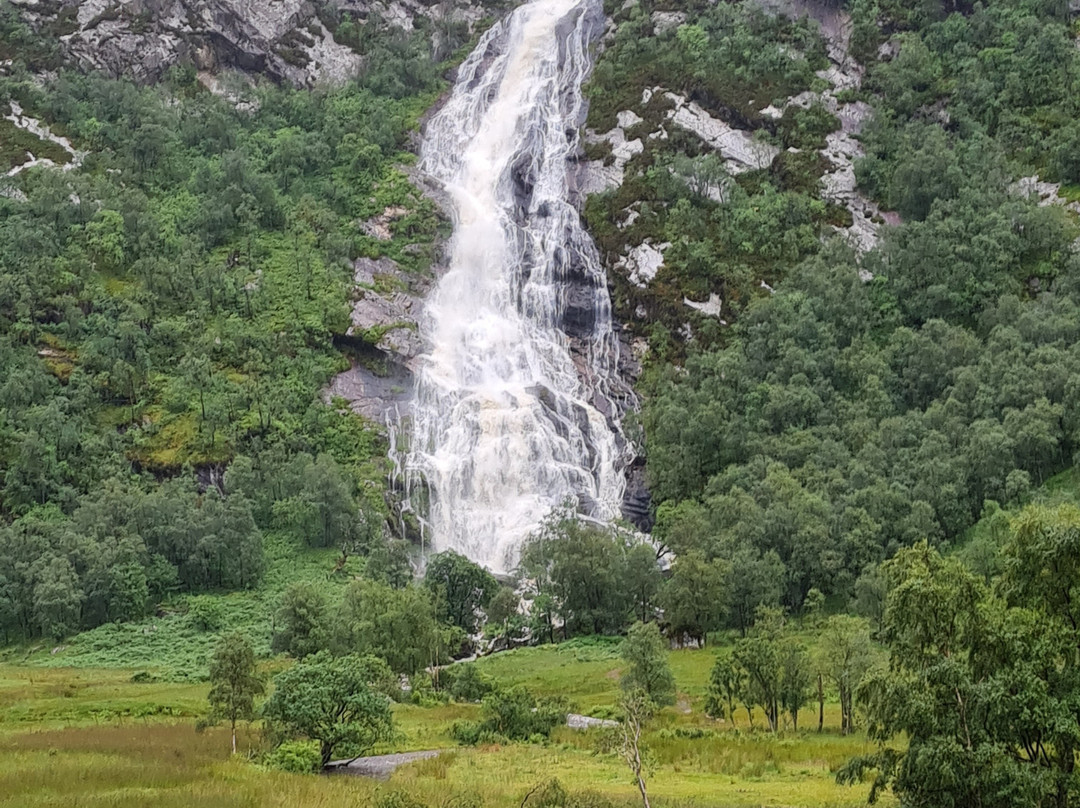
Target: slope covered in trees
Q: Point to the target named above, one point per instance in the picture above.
(175, 304)
(865, 400)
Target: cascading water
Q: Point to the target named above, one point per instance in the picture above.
(508, 418)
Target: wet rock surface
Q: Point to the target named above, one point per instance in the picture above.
(384, 335)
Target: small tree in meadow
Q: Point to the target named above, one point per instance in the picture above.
(647, 666)
(637, 708)
(234, 682)
(335, 701)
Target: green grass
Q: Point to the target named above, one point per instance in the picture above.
(1071, 192)
(15, 142)
(108, 719)
(171, 645)
(94, 737)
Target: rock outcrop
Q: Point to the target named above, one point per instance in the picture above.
(384, 332)
(286, 40)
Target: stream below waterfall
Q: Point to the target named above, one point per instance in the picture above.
(512, 416)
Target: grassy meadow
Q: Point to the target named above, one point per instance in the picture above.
(94, 737)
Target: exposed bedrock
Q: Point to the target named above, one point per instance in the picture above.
(285, 40)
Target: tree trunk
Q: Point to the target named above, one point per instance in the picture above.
(641, 788)
(234, 736)
(821, 703)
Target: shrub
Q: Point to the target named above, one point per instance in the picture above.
(298, 757)
(206, 614)
(466, 683)
(517, 714)
(466, 732)
(423, 691)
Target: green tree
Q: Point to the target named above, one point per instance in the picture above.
(761, 654)
(796, 676)
(398, 625)
(965, 672)
(234, 682)
(845, 654)
(502, 608)
(462, 587)
(302, 623)
(580, 567)
(696, 597)
(333, 701)
(727, 686)
(647, 667)
(57, 597)
(756, 580)
(643, 580)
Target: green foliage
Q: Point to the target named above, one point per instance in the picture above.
(462, 588)
(399, 625)
(170, 306)
(332, 701)
(512, 714)
(727, 687)
(585, 574)
(647, 669)
(845, 654)
(465, 682)
(516, 714)
(205, 614)
(725, 232)
(695, 597)
(234, 682)
(296, 757)
(124, 547)
(502, 609)
(302, 621)
(769, 667)
(967, 667)
(830, 434)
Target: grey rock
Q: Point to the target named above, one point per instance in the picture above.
(379, 767)
(576, 721)
(284, 39)
(637, 501)
(371, 395)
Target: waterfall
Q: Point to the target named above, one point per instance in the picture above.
(512, 414)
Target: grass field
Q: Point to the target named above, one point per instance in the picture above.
(173, 644)
(93, 737)
(108, 719)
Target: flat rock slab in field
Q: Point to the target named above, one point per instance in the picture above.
(379, 767)
(575, 721)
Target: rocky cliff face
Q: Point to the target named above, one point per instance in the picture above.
(286, 40)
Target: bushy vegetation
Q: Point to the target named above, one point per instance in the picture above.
(174, 305)
(878, 400)
(861, 432)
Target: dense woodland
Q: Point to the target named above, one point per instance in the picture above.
(169, 310)
(862, 480)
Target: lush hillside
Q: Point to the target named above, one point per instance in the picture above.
(842, 241)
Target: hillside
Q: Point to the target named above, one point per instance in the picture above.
(303, 314)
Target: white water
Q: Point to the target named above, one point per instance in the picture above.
(506, 423)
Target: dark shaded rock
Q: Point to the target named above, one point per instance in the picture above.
(579, 312)
(637, 499)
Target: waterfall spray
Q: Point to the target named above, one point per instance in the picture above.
(511, 417)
